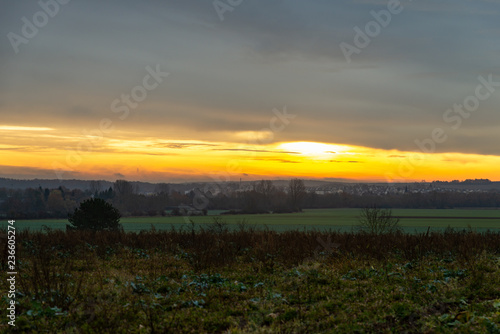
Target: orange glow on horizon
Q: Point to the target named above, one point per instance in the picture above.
(23, 128)
(161, 160)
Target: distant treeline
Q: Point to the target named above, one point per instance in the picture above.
(263, 197)
(468, 182)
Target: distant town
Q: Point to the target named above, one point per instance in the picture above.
(316, 186)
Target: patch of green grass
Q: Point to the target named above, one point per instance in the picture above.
(321, 219)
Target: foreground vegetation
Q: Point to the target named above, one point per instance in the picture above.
(214, 280)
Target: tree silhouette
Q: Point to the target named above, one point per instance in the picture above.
(123, 189)
(378, 221)
(95, 214)
(266, 190)
(296, 192)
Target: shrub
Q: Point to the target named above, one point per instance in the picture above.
(95, 214)
(378, 221)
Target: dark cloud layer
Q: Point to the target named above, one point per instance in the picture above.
(227, 76)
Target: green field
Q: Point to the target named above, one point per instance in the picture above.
(321, 219)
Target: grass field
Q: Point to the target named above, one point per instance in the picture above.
(321, 219)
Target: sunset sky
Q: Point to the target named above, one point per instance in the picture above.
(173, 91)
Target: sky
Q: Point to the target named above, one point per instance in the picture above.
(175, 91)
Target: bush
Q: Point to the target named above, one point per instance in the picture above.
(95, 214)
(378, 221)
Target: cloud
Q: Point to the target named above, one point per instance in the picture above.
(350, 162)
(286, 161)
(182, 145)
(227, 76)
(255, 150)
(23, 172)
(23, 128)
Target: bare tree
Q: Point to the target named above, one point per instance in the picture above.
(56, 203)
(266, 190)
(265, 187)
(296, 192)
(123, 188)
(378, 221)
(95, 187)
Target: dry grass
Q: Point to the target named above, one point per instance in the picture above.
(212, 280)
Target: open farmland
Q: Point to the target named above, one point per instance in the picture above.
(411, 220)
(220, 281)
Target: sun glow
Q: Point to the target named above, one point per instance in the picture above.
(165, 159)
(23, 128)
(313, 149)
